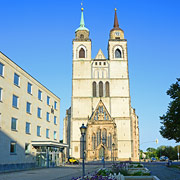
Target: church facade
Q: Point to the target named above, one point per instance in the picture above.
(101, 100)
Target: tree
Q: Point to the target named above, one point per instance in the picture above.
(171, 120)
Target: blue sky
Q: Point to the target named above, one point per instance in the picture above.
(37, 35)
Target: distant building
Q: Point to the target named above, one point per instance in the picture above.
(29, 120)
(101, 100)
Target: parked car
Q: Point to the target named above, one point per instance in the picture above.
(163, 158)
(73, 160)
(153, 159)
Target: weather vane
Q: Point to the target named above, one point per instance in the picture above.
(82, 5)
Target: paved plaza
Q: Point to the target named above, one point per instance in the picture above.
(67, 172)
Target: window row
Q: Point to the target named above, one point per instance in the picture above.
(28, 128)
(103, 63)
(100, 89)
(15, 101)
(101, 138)
(29, 86)
(13, 148)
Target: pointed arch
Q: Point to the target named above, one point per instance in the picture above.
(117, 53)
(94, 89)
(100, 89)
(107, 89)
(81, 53)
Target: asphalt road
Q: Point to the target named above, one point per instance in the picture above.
(163, 172)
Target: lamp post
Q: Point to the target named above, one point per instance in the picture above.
(113, 145)
(103, 142)
(83, 132)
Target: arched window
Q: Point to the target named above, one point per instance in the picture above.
(94, 89)
(107, 89)
(94, 141)
(100, 89)
(82, 53)
(98, 137)
(117, 53)
(110, 141)
(104, 136)
(81, 36)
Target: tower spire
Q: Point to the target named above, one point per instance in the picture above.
(116, 24)
(82, 24)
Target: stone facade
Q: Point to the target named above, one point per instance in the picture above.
(102, 82)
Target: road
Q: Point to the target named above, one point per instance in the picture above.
(163, 172)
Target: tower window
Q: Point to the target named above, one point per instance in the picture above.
(107, 89)
(94, 89)
(100, 89)
(82, 53)
(81, 36)
(117, 53)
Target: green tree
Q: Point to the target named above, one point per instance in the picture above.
(171, 120)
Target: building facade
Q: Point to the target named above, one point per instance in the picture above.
(29, 120)
(101, 100)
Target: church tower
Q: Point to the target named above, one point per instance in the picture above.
(101, 99)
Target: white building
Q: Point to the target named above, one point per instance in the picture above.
(29, 120)
(101, 100)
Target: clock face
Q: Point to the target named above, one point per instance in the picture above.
(117, 33)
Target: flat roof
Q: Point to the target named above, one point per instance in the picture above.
(48, 144)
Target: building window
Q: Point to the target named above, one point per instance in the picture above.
(100, 89)
(39, 95)
(48, 100)
(107, 89)
(94, 89)
(0, 94)
(47, 133)
(82, 53)
(98, 137)
(99, 63)
(104, 63)
(28, 107)
(104, 136)
(12, 147)
(110, 141)
(39, 112)
(117, 53)
(96, 63)
(27, 148)
(94, 141)
(16, 79)
(15, 101)
(55, 105)
(38, 130)
(55, 135)
(28, 128)
(47, 116)
(29, 88)
(55, 120)
(13, 124)
(1, 69)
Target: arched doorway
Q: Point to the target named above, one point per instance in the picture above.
(101, 152)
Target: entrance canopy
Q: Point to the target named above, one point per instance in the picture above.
(48, 144)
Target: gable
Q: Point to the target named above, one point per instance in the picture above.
(100, 113)
(100, 55)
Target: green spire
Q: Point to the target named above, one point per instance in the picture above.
(82, 24)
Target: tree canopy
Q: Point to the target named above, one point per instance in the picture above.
(170, 128)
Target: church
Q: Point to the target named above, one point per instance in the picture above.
(101, 100)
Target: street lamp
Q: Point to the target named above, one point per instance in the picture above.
(83, 132)
(113, 145)
(103, 142)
